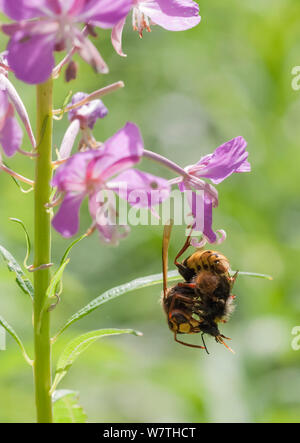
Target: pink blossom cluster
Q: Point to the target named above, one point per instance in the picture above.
(38, 30)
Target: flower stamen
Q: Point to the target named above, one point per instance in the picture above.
(140, 21)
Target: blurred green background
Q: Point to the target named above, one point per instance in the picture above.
(189, 92)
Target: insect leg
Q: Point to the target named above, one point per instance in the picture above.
(202, 336)
(182, 298)
(187, 285)
(182, 250)
(186, 344)
(233, 279)
(165, 248)
(219, 339)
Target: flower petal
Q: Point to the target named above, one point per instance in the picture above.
(71, 176)
(228, 158)
(201, 206)
(208, 219)
(31, 56)
(66, 220)
(105, 13)
(123, 150)
(11, 136)
(69, 140)
(90, 54)
(116, 37)
(26, 9)
(140, 189)
(104, 214)
(12, 93)
(3, 105)
(173, 15)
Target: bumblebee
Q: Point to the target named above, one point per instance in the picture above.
(204, 299)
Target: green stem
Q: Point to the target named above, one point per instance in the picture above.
(42, 254)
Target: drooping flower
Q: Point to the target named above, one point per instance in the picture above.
(94, 172)
(10, 131)
(173, 15)
(225, 160)
(11, 137)
(45, 26)
(82, 118)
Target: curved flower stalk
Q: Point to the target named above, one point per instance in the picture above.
(45, 26)
(173, 15)
(91, 173)
(82, 118)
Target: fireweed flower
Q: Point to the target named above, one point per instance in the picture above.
(91, 173)
(45, 26)
(173, 15)
(228, 158)
(82, 118)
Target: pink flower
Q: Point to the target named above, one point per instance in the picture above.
(89, 113)
(45, 26)
(10, 132)
(173, 15)
(228, 158)
(83, 118)
(91, 173)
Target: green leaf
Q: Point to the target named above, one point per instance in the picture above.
(138, 283)
(15, 336)
(66, 408)
(75, 347)
(55, 280)
(68, 250)
(254, 274)
(21, 279)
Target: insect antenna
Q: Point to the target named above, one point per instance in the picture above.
(182, 250)
(165, 248)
